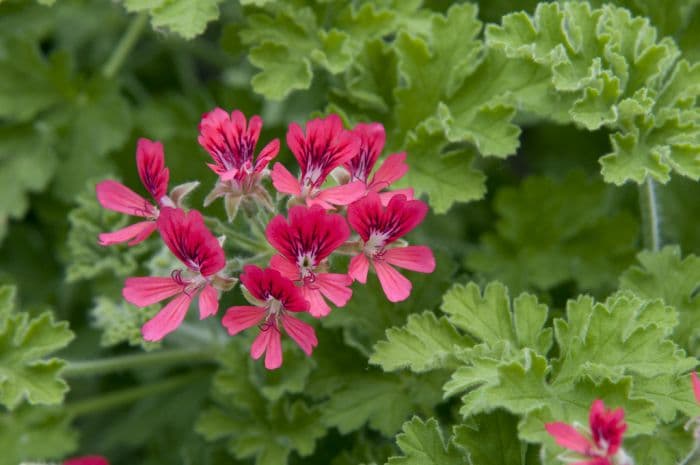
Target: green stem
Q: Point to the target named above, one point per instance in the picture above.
(649, 206)
(127, 362)
(127, 42)
(126, 396)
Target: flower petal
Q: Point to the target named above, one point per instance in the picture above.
(302, 333)
(396, 286)
(239, 318)
(386, 197)
(190, 240)
(147, 290)
(567, 436)
(413, 257)
(115, 196)
(335, 287)
(150, 162)
(273, 356)
(168, 319)
(359, 266)
(87, 460)
(267, 154)
(283, 180)
(269, 340)
(393, 169)
(133, 234)
(696, 386)
(208, 302)
(317, 305)
(286, 268)
(339, 195)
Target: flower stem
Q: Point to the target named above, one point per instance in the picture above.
(126, 362)
(127, 42)
(125, 396)
(649, 207)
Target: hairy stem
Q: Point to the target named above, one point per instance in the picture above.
(125, 396)
(127, 42)
(649, 206)
(144, 359)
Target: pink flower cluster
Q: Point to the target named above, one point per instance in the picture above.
(356, 215)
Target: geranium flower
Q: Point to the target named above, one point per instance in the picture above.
(196, 247)
(115, 196)
(379, 227)
(696, 386)
(231, 141)
(273, 297)
(87, 460)
(372, 138)
(601, 444)
(304, 243)
(324, 147)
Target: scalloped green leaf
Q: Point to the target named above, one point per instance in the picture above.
(424, 343)
(187, 18)
(25, 344)
(423, 443)
(667, 275)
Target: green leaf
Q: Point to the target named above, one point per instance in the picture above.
(665, 275)
(583, 236)
(27, 164)
(446, 177)
(607, 62)
(622, 336)
(423, 344)
(291, 41)
(451, 53)
(186, 18)
(31, 434)
(422, 443)
(382, 401)
(257, 427)
(491, 439)
(97, 122)
(666, 445)
(87, 259)
(25, 372)
(29, 82)
(491, 319)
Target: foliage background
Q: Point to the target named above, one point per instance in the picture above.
(505, 126)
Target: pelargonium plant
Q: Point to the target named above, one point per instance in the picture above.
(342, 232)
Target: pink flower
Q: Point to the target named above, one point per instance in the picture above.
(231, 141)
(696, 386)
(274, 297)
(600, 445)
(87, 460)
(189, 239)
(372, 138)
(325, 146)
(113, 195)
(379, 227)
(304, 243)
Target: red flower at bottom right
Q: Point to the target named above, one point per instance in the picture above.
(600, 445)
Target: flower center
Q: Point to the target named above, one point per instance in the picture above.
(190, 282)
(374, 247)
